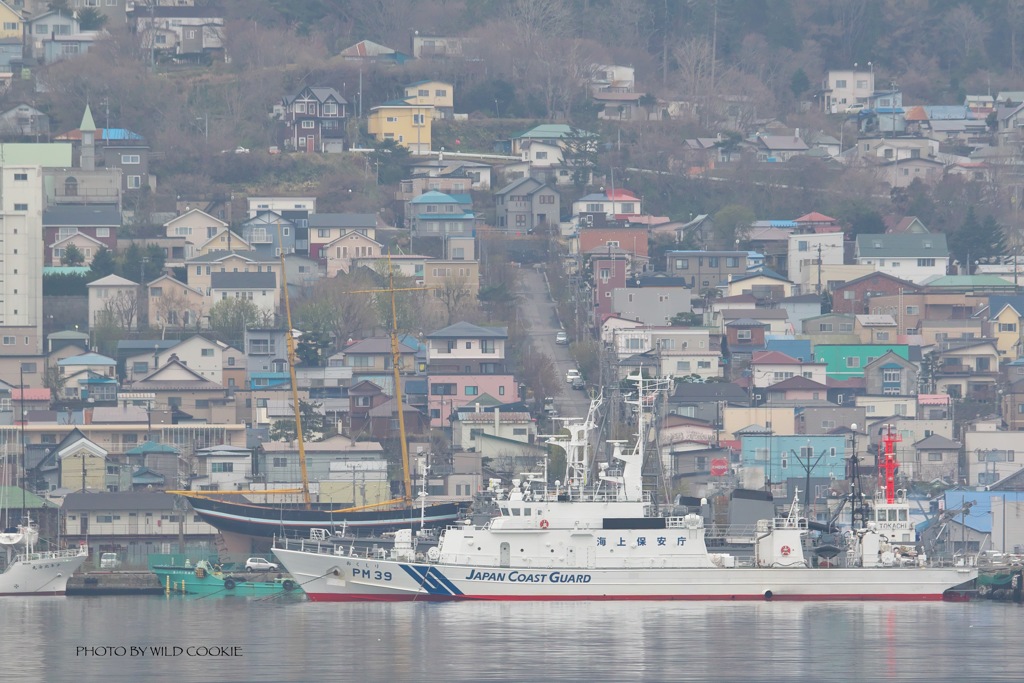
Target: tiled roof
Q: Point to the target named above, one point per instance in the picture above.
(773, 358)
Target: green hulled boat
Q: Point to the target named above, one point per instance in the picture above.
(206, 580)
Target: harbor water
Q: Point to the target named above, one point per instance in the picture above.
(134, 638)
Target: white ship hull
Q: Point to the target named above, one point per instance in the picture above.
(327, 577)
(41, 573)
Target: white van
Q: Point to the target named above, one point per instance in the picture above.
(109, 561)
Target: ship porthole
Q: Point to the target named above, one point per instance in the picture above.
(337, 572)
(767, 595)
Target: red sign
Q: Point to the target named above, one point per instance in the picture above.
(719, 467)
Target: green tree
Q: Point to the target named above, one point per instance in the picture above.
(388, 160)
(687, 319)
(862, 218)
(229, 319)
(103, 264)
(73, 256)
(580, 154)
(91, 19)
(732, 223)
(799, 83)
(314, 424)
(138, 262)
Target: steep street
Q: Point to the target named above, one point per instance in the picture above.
(538, 311)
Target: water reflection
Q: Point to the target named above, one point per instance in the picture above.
(513, 641)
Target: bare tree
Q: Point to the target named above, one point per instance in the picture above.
(173, 309)
(122, 310)
(967, 31)
(456, 297)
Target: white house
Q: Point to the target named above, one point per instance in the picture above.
(114, 299)
(846, 87)
(910, 257)
(770, 367)
(806, 251)
(621, 203)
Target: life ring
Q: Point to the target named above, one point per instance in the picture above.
(229, 583)
(543, 524)
(288, 585)
(785, 550)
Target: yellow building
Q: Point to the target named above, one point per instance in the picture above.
(11, 22)
(1007, 329)
(438, 94)
(407, 124)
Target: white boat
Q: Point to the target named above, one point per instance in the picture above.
(581, 542)
(32, 572)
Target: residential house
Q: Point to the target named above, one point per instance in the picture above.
(829, 328)
(829, 419)
(437, 94)
(223, 468)
(465, 362)
(526, 204)
(743, 337)
(313, 120)
(189, 33)
(280, 460)
(798, 456)
(469, 427)
(12, 29)
(81, 464)
(128, 152)
(269, 233)
(934, 458)
(651, 305)
(543, 147)
(704, 269)
(775, 319)
(632, 242)
(24, 121)
(766, 286)
(924, 311)
(903, 172)
(374, 355)
(846, 87)
(990, 454)
(779, 147)
(325, 228)
(609, 274)
(266, 350)
(448, 176)
(196, 227)
(259, 288)
(302, 275)
(382, 421)
(1006, 325)
(87, 246)
(406, 124)
(223, 240)
(968, 369)
(446, 277)
(437, 47)
(187, 393)
(705, 401)
(174, 305)
(114, 300)
(855, 296)
(98, 222)
(618, 203)
(845, 361)
(891, 375)
(211, 359)
(363, 396)
(369, 51)
(339, 253)
(202, 268)
(907, 257)
(671, 351)
(770, 367)
(875, 329)
(807, 251)
(435, 214)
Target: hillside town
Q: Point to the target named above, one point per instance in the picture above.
(524, 268)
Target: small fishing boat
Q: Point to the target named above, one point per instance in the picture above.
(207, 580)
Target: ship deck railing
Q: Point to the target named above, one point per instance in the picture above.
(326, 547)
(48, 555)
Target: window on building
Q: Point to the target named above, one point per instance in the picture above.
(1007, 327)
(131, 159)
(853, 362)
(925, 262)
(280, 462)
(21, 207)
(472, 391)
(222, 467)
(824, 327)
(743, 335)
(308, 123)
(134, 182)
(443, 389)
(891, 374)
(21, 176)
(140, 367)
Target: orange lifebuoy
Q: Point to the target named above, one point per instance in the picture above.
(543, 524)
(786, 550)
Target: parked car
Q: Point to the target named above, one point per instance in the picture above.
(562, 338)
(109, 561)
(549, 405)
(258, 564)
(578, 383)
(571, 374)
